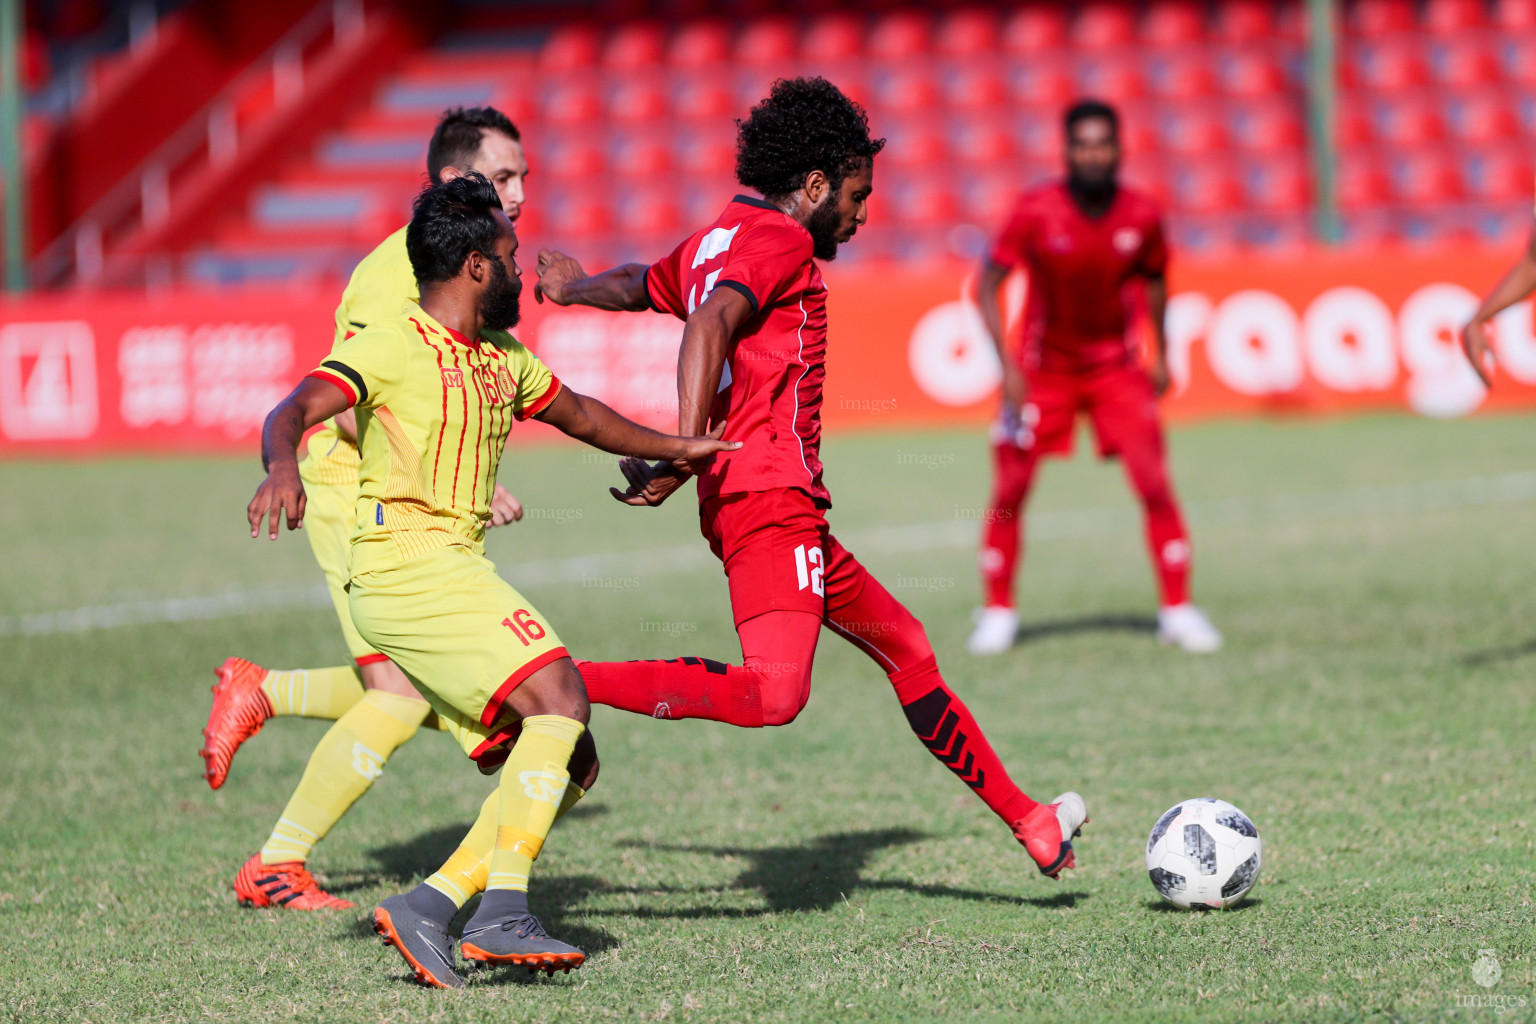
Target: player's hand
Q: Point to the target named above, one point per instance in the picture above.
(505, 508)
(1161, 378)
(648, 484)
(1474, 341)
(282, 491)
(556, 271)
(699, 451)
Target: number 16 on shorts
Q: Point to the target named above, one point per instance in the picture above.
(808, 567)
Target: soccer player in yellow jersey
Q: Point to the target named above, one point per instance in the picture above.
(437, 391)
(1518, 282)
(375, 706)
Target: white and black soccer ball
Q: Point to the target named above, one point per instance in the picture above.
(1203, 853)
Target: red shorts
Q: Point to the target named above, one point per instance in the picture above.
(1118, 400)
(779, 554)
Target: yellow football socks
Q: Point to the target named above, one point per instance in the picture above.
(313, 692)
(345, 762)
(533, 785)
(465, 872)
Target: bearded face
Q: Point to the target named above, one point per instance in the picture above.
(500, 308)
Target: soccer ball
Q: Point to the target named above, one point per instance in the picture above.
(1203, 853)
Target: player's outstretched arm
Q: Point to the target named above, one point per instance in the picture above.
(563, 282)
(586, 419)
(312, 402)
(1516, 285)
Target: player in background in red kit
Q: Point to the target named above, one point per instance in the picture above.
(753, 358)
(1082, 243)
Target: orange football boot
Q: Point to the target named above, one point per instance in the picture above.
(287, 885)
(1047, 833)
(239, 709)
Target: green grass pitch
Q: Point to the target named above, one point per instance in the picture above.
(1372, 711)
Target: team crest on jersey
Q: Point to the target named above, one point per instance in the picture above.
(504, 378)
(453, 378)
(1126, 240)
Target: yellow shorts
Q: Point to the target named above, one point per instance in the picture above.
(463, 635)
(330, 515)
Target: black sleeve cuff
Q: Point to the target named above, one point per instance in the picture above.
(743, 289)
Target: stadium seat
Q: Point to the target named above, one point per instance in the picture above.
(571, 47)
(634, 46)
(1184, 73)
(1112, 76)
(1249, 72)
(702, 97)
(1462, 62)
(578, 214)
(1361, 182)
(1191, 130)
(833, 37)
(1203, 187)
(1277, 185)
(1139, 129)
(987, 199)
(1406, 119)
(1104, 24)
(1173, 23)
(642, 154)
(1035, 28)
(576, 154)
(904, 87)
(1266, 126)
(899, 36)
(636, 98)
(918, 200)
(1039, 137)
(573, 103)
(1387, 65)
(914, 144)
(1352, 123)
(1454, 15)
(766, 41)
(1423, 177)
(699, 44)
(1369, 19)
(1515, 15)
(1244, 21)
(706, 153)
(1042, 82)
(1524, 104)
(652, 211)
(1482, 116)
(973, 84)
(1517, 59)
(1498, 174)
(981, 141)
(967, 32)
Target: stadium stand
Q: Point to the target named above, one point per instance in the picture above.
(627, 111)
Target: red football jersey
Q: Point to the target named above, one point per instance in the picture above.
(770, 387)
(1079, 310)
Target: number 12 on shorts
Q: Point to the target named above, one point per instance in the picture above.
(808, 566)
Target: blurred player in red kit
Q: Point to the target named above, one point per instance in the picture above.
(1082, 242)
(752, 363)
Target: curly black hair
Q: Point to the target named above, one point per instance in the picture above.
(457, 137)
(805, 125)
(450, 220)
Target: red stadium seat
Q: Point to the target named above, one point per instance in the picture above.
(576, 155)
(651, 211)
(1040, 139)
(1406, 120)
(1182, 74)
(1245, 21)
(1388, 65)
(1111, 76)
(636, 98)
(1277, 186)
(1515, 15)
(967, 32)
(1042, 82)
(1524, 104)
(1139, 129)
(572, 47)
(987, 199)
(833, 37)
(1203, 187)
(914, 144)
(700, 44)
(635, 45)
(581, 214)
(766, 41)
(1483, 116)
(706, 153)
(1267, 126)
(904, 88)
(1035, 28)
(1104, 24)
(982, 141)
(1463, 62)
(1499, 174)
(1517, 58)
(1192, 130)
(1173, 22)
(1372, 18)
(1423, 176)
(921, 200)
(1361, 181)
(1352, 123)
(573, 103)
(702, 97)
(641, 154)
(900, 36)
(1454, 15)
(1249, 72)
(973, 84)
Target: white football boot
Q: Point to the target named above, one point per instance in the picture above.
(1186, 627)
(995, 630)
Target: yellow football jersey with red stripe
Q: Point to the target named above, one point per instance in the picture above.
(434, 412)
(381, 287)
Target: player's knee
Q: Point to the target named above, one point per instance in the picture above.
(584, 764)
(784, 691)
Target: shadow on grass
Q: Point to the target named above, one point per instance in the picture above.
(1164, 907)
(1030, 632)
(1495, 655)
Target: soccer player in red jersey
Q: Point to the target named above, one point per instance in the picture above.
(753, 358)
(1082, 243)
